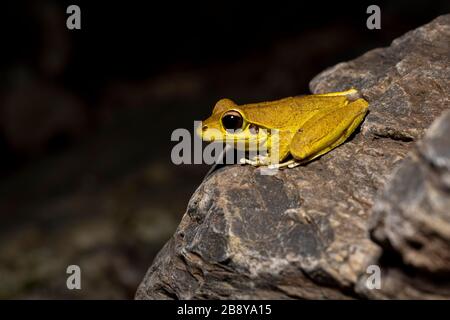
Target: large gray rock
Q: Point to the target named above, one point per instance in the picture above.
(411, 220)
(304, 232)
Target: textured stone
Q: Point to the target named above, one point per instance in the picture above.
(304, 232)
(411, 221)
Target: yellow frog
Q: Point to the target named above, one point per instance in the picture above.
(305, 127)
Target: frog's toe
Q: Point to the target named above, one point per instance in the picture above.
(254, 163)
(293, 164)
(280, 165)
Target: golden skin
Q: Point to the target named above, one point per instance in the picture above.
(307, 126)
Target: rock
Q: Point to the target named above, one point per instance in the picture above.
(411, 221)
(304, 232)
(406, 83)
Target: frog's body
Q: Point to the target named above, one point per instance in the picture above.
(306, 126)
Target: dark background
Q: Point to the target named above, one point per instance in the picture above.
(86, 117)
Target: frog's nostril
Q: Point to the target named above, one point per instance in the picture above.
(204, 128)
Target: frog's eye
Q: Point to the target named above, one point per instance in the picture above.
(232, 120)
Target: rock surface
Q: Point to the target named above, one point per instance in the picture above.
(311, 232)
(411, 221)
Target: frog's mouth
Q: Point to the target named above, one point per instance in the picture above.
(216, 135)
(231, 139)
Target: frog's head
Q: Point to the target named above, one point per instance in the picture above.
(229, 122)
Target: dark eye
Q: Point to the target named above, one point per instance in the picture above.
(232, 120)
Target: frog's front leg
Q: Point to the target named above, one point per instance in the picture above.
(265, 161)
(256, 161)
(278, 150)
(271, 160)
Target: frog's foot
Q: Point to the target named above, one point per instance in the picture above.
(294, 164)
(248, 161)
(281, 165)
(352, 94)
(256, 161)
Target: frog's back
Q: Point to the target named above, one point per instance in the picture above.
(289, 112)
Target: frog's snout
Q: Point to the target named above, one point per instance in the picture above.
(201, 129)
(204, 132)
(208, 133)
